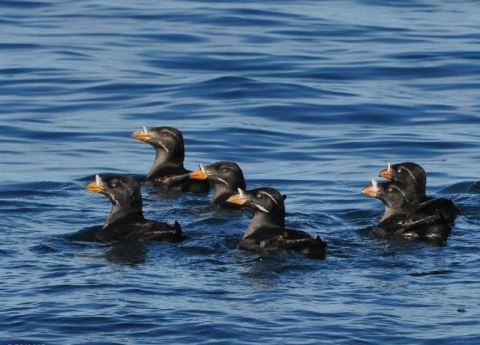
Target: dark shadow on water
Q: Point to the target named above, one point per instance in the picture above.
(264, 271)
(127, 253)
(366, 232)
(431, 273)
(124, 253)
(268, 271)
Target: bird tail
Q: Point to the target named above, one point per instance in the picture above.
(177, 227)
(315, 250)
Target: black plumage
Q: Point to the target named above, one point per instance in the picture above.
(415, 176)
(168, 170)
(405, 217)
(126, 221)
(266, 232)
(226, 178)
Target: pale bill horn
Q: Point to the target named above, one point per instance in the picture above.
(98, 180)
(241, 193)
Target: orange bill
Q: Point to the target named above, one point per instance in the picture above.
(141, 135)
(370, 191)
(236, 199)
(93, 187)
(198, 175)
(386, 174)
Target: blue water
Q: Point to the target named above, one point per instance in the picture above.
(310, 97)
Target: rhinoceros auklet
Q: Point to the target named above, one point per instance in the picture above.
(226, 178)
(405, 217)
(266, 232)
(125, 221)
(414, 175)
(168, 170)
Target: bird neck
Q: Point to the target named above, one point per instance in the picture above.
(222, 190)
(166, 163)
(388, 212)
(404, 208)
(121, 211)
(420, 190)
(262, 219)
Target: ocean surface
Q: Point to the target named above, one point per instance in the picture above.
(310, 97)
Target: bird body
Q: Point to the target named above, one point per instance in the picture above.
(226, 178)
(413, 175)
(405, 217)
(266, 232)
(126, 221)
(168, 170)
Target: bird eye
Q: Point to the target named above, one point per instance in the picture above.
(399, 170)
(390, 189)
(165, 134)
(258, 196)
(113, 184)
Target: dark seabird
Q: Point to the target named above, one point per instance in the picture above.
(168, 170)
(415, 176)
(405, 217)
(125, 221)
(226, 178)
(266, 232)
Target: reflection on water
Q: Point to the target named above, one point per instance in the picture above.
(131, 254)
